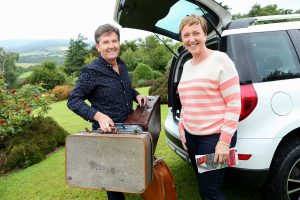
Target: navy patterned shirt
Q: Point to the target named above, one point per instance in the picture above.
(107, 91)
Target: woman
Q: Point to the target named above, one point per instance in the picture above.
(209, 92)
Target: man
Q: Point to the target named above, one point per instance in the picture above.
(105, 83)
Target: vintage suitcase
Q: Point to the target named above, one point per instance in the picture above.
(148, 118)
(111, 162)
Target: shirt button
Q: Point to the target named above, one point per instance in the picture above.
(121, 81)
(124, 92)
(127, 104)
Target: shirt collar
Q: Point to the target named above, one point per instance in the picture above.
(105, 63)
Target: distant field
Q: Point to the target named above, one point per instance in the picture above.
(26, 65)
(25, 75)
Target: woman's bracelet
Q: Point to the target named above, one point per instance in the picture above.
(226, 144)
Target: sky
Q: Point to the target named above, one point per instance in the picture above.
(65, 19)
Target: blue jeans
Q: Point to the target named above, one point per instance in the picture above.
(209, 182)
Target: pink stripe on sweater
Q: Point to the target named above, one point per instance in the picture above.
(202, 121)
(199, 113)
(232, 97)
(197, 88)
(230, 123)
(235, 110)
(200, 80)
(225, 137)
(229, 83)
(205, 129)
(198, 105)
(212, 96)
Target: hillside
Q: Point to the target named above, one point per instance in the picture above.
(36, 51)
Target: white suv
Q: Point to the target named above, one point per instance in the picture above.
(266, 52)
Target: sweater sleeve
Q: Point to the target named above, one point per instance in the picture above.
(230, 91)
(83, 88)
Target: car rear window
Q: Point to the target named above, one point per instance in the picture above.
(180, 10)
(262, 57)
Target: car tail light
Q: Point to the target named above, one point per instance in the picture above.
(244, 156)
(248, 100)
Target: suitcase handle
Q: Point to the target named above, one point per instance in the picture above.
(114, 130)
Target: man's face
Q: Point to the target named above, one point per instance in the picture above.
(109, 46)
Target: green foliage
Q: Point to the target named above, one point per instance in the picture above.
(39, 138)
(16, 108)
(131, 76)
(157, 54)
(76, 55)
(160, 87)
(257, 10)
(48, 75)
(142, 71)
(8, 61)
(156, 74)
(129, 45)
(130, 58)
(150, 51)
(61, 92)
(144, 83)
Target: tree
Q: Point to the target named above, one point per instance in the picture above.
(157, 54)
(75, 55)
(142, 72)
(132, 45)
(9, 60)
(257, 10)
(48, 74)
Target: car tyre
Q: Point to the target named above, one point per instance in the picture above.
(283, 182)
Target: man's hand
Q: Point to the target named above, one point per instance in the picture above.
(182, 138)
(104, 121)
(222, 152)
(141, 99)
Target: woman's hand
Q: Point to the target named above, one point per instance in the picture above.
(221, 152)
(141, 99)
(104, 121)
(182, 138)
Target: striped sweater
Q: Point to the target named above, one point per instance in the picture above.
(210, 96)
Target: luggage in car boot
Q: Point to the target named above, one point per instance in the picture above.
(111, 162)
(148, 118)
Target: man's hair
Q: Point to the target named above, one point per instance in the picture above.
(191, 20)
(106, 28)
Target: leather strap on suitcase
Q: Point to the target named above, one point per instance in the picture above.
(162, 186)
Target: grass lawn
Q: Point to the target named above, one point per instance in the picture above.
(45, 180)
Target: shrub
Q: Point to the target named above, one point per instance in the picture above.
(131, 76)
(49, 78)
(22, 156)
(47, 74)
(160, 87)
(157, 74)
(16, 108)
(144, 83)
(40, 137)
(61, 92)
(142, 71)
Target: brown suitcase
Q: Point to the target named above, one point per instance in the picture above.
(163, 185)
(148, 118)
(111, 162)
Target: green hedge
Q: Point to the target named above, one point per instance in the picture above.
(40, 137)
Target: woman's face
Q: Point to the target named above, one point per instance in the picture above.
(109, 46)
(193, 38)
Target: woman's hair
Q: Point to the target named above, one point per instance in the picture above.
(191, 20)
(106, 28)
